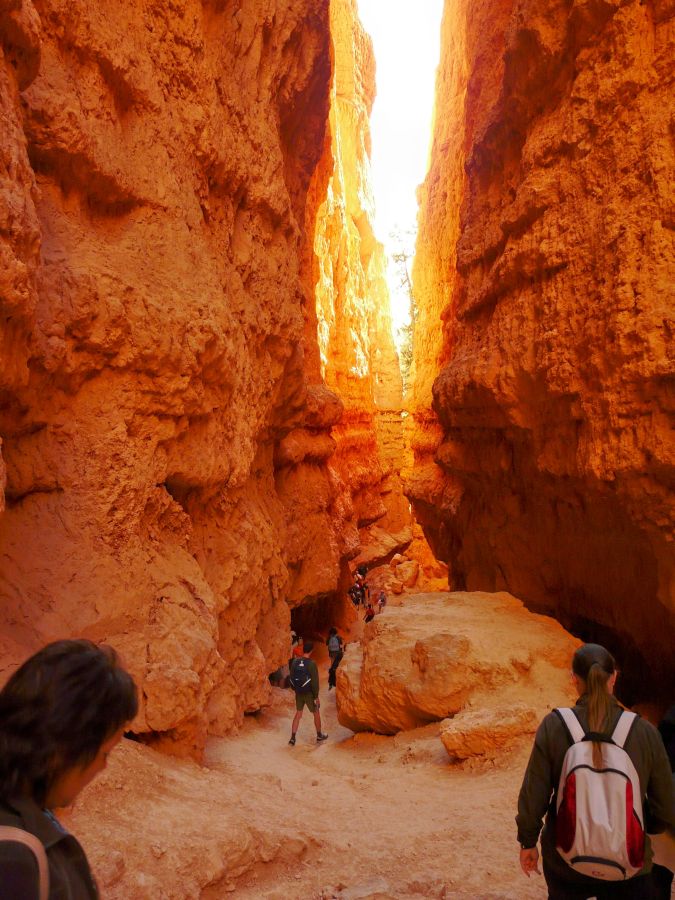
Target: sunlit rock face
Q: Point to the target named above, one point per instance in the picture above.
(154, 272)
(544, 276)
(357, 356)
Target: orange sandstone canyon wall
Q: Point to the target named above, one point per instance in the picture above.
(153, 194)
(543, 405)
(183, 422)
(357, 356)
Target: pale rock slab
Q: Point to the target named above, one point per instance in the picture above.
(486, 733)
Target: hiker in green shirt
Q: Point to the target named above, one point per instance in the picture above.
(304, 677)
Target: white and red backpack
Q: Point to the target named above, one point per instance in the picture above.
(599, 826)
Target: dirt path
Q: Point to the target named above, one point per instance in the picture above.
(377, 817)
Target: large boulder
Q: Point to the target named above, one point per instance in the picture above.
(438, 655)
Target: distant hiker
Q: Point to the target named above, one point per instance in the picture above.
(332, 672)
(61, 714)
(362, 570)
(296, 647)
(305, 682)
(336, 652)
(590, 771)
(355, 595)
(362, 588)
(334, 643)
(370, 614)
(381, 601)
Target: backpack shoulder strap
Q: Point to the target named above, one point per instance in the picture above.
(19, 836)
(623, 727)
(571, 723)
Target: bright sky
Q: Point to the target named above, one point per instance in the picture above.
(406, 39)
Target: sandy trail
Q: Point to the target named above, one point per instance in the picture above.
(384, 817)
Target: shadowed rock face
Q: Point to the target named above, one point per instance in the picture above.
(178, 467)
(153, 215)
(544, 452)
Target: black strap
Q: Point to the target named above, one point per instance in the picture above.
(597, 737)
(594, 736)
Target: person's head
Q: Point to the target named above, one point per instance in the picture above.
(333, 631)
(594, 668)
(307, 648)
(61, 713)
(594, 673)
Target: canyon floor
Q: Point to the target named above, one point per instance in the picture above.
(359, 817)
(377, 817)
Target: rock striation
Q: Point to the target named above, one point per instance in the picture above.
(449, 655)
(543, 400)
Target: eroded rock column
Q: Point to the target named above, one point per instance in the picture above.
(545, 272)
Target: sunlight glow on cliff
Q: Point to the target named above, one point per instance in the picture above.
(406, 40)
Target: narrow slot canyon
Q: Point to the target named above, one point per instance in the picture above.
(207, 424)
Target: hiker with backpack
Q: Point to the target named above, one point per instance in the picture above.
(370, 614)
(304, 677)
(332, 672)
(590, 772)
(334, 643)
(61, 713)
(336, 650)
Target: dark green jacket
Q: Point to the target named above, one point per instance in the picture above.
(69, 875)
(538, 792)
(313, 674)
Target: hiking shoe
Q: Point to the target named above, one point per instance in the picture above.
(321, 737)
(292, 740)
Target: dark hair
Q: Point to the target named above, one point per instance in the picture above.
(595, 665)
(56, 712)
(307, 646)
(333, 630)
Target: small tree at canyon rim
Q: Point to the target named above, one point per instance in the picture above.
(402, 251)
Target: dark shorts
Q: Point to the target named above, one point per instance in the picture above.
(302, 700)
(640, 887)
